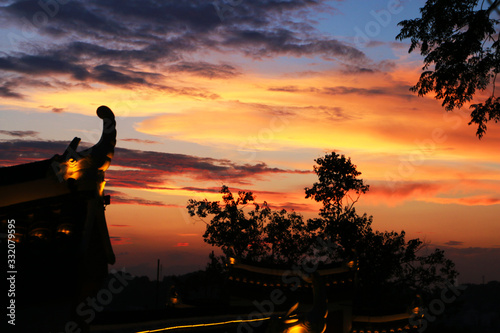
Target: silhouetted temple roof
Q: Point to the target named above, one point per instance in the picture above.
(44, 195)
(24, 172)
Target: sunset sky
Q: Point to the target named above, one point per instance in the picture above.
(246, 93)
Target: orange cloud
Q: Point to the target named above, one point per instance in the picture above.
(468, 201)
(462, 192)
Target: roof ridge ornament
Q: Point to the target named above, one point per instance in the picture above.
(92, 162)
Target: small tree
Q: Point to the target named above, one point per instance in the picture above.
(462, 54)
(338, 189)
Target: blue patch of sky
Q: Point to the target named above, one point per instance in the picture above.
(361, 22)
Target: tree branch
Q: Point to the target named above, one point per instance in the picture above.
(492, 7)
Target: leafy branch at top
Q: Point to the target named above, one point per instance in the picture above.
(461, 55)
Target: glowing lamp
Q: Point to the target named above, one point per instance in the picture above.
(297, 329)
(18, 237)
(65, 228)
(42, 233)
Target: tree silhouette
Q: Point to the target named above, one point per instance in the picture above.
(259, 234)
(462, 55)
(387, 260)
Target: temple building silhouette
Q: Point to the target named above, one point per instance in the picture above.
(61, 249)
(325, 296)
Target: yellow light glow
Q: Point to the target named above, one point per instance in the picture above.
(40, 233)
(297, 329)
(18, 237)
(101, 187)
(65, 231)
(205, 325)
(65, 228)
(73, 169)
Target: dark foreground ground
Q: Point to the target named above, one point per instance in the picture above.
(476, 310)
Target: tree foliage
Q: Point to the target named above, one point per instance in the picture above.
(336, 182)
(257, 234)
(244, 229)
(461, 55)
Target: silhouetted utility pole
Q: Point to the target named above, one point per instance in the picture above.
(157, 282)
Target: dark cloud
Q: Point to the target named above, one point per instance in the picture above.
(20, 151)
(395, 45)
(294, 89)
(257, 194)
(146, 169)
(263, 44)
(334, 113)
(354, 70)
(134, 178)
(19, 134)
(106, 41)
(149, 169)
(41, 64)
(107, 75)
(203, 189)
(111, 75)
(144, 53)
(204, 69)
(341, 90)
(123, 198)
(261, 196)
(292, 206)
(6, 91)
(399, 91)
(454, 243)
(120, 240)
(148, 142)
(50, 64)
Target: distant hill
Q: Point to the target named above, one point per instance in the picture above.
(476, 310)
